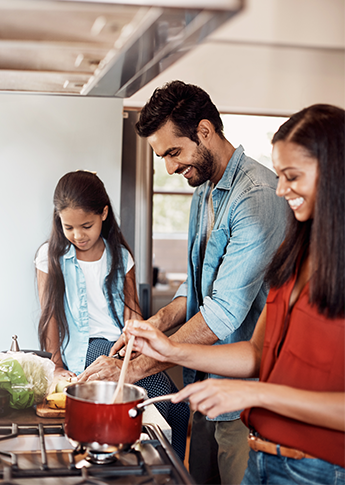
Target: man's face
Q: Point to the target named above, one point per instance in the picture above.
(183, 156)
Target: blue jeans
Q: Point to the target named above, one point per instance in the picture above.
(267, 469)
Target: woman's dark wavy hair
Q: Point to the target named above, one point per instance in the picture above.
(320, 130)
(86, 191)
(183, 104)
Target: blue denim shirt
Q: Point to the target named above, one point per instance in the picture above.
(74, 351)
(227, 287)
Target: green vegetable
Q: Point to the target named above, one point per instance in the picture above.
(13, 380)
(36, 370)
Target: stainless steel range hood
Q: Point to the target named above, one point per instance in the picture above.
(99, 48)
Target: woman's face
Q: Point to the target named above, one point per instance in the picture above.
(298, 175)
(82, 229)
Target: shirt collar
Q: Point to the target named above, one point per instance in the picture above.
(231, 168)
(71, 253)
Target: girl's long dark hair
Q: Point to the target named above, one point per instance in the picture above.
(86, 191)
(319, 129)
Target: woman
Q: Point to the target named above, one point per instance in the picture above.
(296, 410)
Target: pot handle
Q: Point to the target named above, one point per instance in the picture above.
(139, 408)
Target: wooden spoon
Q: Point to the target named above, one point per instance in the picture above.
(118, 393)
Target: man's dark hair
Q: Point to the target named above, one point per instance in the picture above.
(183, 104)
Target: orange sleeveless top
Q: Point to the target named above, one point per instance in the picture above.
(302, 349)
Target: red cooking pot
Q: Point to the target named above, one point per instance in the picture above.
(97, 425)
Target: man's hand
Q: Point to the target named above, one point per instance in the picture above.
(102, 369)
(118, 345)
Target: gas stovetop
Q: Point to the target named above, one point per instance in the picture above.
(42, 455)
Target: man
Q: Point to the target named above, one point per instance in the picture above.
(236, 225)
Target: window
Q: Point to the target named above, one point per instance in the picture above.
(171, 201)
(254, 133)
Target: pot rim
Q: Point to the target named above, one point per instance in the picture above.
(104, 384)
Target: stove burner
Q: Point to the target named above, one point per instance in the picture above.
(96, 457)
(100, 458)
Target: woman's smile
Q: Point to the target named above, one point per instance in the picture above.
(298, 175)
(296, 203)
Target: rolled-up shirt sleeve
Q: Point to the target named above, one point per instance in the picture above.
(182, 290)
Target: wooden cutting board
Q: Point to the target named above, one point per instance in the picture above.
(44, 411)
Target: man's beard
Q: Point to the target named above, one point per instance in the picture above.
(204, 166)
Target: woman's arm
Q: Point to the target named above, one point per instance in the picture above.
(216, 396)
(241, 359)
(52, 343)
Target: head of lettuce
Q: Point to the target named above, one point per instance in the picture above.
(26, 377)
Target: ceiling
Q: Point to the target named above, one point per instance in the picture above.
(99, 48)
(274, 57)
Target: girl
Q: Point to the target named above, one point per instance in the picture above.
(296, 410)
(87, 289)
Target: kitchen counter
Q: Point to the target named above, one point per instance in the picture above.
(28, 417)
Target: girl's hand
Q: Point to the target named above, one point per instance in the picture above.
(217, 396)
(61, 373)
(149, 340)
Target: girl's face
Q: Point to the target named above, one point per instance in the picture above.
(83, 229)
(298, 175)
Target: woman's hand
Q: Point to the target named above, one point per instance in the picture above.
(217, 396)
(149, 340)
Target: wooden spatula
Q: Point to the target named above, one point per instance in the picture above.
(118, 393)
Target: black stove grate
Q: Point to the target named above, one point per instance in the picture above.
(74, 467)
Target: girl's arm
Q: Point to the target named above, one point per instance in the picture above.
(52, 343)
(132, 307)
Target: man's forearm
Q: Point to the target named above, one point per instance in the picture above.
(171, 315)
(195, 331)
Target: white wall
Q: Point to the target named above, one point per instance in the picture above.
(275, 57)
(41, 138)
